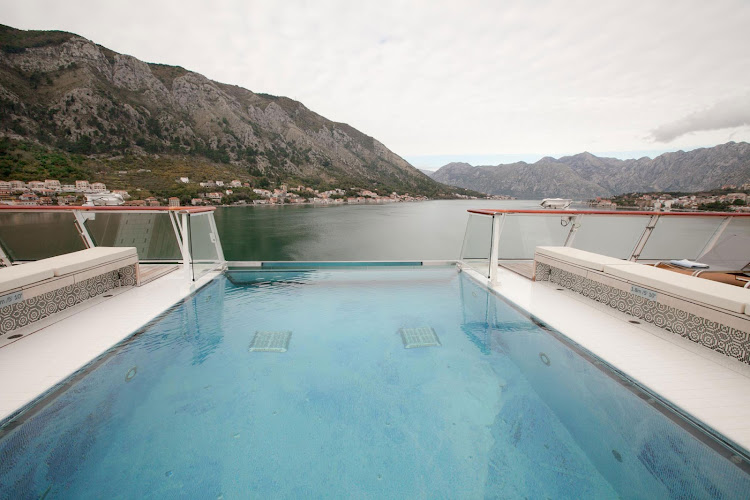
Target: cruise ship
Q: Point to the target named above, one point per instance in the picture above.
(545, 361)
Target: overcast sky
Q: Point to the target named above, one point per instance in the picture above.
(439, 81)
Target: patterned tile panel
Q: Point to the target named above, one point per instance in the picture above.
(35, 308)
(714, 335)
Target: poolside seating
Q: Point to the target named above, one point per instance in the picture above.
(713, 314)
(727, 262)
(30, 292)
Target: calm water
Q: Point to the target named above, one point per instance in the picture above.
(501, 409)
(431, 230)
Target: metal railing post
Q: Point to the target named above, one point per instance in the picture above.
(497, 227)
(174, 219)
(574, 225)
(4, 258)
(215, 238)
(644, 238)
(81, 228)
(186, 247)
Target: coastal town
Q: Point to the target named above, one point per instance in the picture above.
(729, 197)
(235, 192)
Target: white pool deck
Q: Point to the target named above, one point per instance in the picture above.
(711, 387)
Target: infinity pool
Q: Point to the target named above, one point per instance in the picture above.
(485, 403)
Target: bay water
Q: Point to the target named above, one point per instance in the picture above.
(430, 230)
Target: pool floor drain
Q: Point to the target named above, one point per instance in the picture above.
(422, 336)
(270, 341)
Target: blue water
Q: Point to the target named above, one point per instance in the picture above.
(501, 409)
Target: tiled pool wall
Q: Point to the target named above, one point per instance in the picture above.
(40, 306)
(726, 339)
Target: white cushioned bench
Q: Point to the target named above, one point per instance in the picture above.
(92, 257)
(580, 258)
(711, 313)
(35, 290)
(714, 293)
(19, 276)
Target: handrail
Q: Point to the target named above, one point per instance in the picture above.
(493, 211)
(574, 218)
(179, 218)
(104, 208)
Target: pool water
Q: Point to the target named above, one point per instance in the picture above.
(501, 408)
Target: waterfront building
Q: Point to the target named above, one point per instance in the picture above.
(28, 199)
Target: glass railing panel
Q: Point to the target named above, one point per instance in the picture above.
(680, 237)
(151, 234)
(732, 249)
(521, 234)
(38, 235)
(738, 227)
(615, 236)
(475, 251)
(203, 251)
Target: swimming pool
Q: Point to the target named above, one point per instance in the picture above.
(496, 406)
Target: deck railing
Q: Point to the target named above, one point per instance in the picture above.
(179, 235)
(495, 237)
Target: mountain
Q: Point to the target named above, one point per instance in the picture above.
(72, 107)
(585, 175)
(428, 173)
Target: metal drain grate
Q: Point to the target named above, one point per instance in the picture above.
(423, 336)
(270, 342)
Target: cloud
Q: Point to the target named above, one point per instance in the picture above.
(730, 113)
(438, 77)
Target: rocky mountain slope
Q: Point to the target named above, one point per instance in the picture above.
(585, 176)
(89, 106)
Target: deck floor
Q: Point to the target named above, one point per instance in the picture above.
(523, 267)
(150, 272)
